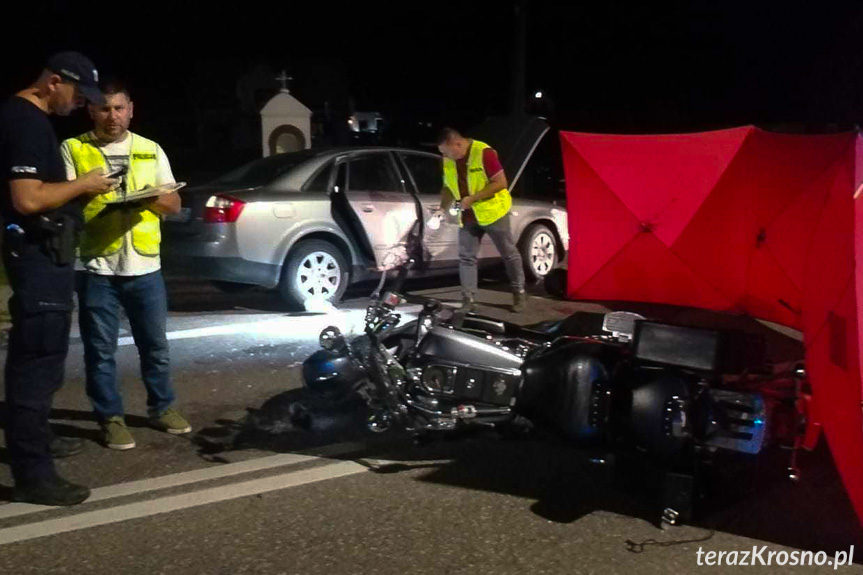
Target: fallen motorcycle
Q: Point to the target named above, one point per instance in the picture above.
(672, 396)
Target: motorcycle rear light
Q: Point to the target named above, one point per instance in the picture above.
(223, 209)
(463, 412)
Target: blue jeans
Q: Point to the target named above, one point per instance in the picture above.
(145, 302)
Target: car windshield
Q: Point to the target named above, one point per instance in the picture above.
(264, 171)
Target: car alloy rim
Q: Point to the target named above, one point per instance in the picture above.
(542, 254)
(319, 275)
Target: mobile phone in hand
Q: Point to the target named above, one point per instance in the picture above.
(118, 172)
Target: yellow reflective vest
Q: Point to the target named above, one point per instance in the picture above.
(487, 211)
(105, 226)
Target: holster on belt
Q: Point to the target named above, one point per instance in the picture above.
(58, 237)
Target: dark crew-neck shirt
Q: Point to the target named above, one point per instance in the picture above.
(29, 150)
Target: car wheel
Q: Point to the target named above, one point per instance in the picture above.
(314, 269)
(538, 248)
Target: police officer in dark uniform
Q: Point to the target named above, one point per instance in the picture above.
(42, 216)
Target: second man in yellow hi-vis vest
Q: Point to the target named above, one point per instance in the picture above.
(119, 252)
(473, 176)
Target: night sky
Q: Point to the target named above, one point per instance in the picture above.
(627, 67)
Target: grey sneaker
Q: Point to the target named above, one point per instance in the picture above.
(170, 421)
(116, 435)
(519, 301)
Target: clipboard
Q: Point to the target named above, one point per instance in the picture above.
(122, 198)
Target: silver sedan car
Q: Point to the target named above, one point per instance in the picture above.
(310, 223)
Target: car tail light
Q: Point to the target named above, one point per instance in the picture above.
(223, 209)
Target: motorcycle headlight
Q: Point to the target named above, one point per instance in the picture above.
(331, 338)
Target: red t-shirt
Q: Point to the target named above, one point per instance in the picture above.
(492, 166)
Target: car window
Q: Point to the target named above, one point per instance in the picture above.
(426, 171)
(372, 173)
(264, 171)
(321, 181)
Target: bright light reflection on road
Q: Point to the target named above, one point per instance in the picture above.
(301, 326)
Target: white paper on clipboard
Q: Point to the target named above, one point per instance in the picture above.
(146, 193)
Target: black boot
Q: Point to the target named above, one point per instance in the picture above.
(519, 301)
(55, 491)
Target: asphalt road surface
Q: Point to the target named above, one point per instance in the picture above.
(251, 491)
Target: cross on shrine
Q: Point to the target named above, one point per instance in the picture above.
(284, 79)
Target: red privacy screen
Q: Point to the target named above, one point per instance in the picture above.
(739, 220)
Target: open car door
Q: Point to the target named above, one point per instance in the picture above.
(372, 201)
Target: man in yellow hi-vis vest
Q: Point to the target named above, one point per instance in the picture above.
(119, 252)
(474, 177)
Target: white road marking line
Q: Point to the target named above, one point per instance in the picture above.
(186, 478)
(178, 502)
